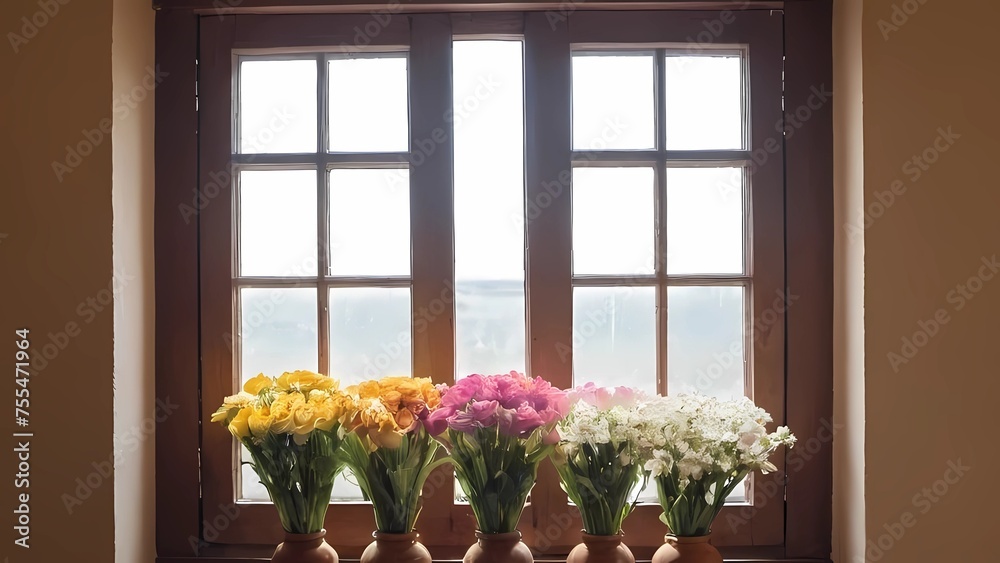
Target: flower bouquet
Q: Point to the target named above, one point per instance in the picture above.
(391, 454)
(708, 448)
(293, 426)
(497, 429)
(604, 441)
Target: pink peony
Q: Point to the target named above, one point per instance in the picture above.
(514, 403)
(604, 398)
(437, 421)
(519, 422)
(484, 412)
(458, 394)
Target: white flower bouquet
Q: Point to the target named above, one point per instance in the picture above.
(705, 448)
(604, 441)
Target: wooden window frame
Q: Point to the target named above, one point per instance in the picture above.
(187, 517)
(756, 36)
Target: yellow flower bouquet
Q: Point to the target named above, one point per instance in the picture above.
(293, 427)
(390, 452)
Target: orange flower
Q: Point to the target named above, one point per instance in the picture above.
(405, 420)
(391, 400)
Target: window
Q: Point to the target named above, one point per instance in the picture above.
(321, 253)
(587, 196)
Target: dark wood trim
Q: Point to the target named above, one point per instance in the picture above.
(215, 63)
(309, 30)
(488, 23)
(548, 232)
(432, 228)
(176, 260)
(658, 27)
(809, 248)
(765, 344)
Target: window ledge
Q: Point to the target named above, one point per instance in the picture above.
(264, 558)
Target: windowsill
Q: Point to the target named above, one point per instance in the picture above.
(267, 557)
(258, 553)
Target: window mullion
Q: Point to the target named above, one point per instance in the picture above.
(660, 199)
(432, 228)
(548, 237)
(323, 223)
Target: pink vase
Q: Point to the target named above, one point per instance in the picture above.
(696, 549)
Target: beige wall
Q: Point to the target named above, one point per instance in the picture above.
(132, 56)
(849, 321)
(56, 271)
(936, 72)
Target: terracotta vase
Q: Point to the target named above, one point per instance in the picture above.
(305, 548)
(687, 550)
(601, 549)
(498, 548)
(395, 548)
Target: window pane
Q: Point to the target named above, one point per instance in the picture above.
(369, 105)
(613, 221)
(490, 326)
(489, 207)
(614, 337)
(278, 223)
(251, 488)
(705, 341)
(277, 112)
(370, 222)
(369, 333)
(277, 331)
(345, 488)
(613, 105)
(704, 97)
(369, 338)
(705, 221)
